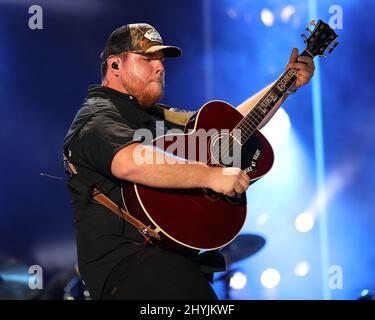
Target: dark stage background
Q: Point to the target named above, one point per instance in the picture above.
(231, 49)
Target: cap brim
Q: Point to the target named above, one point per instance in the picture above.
(169, 51)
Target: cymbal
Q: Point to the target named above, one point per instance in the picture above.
(14, 280)
(244, 246)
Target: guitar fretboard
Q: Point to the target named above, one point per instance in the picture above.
(252, 120)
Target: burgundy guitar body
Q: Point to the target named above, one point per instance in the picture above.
(196, 218)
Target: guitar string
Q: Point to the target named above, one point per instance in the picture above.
(247, 119)
(247, 128)
(249, 123)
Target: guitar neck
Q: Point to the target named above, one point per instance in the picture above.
(268, 102)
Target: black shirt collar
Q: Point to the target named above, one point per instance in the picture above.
(105, 92)
(127, 104)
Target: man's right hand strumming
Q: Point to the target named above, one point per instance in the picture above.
(228, 181)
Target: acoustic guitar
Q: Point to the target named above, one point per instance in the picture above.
(201, 219)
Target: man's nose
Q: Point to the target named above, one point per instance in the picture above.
(159, 66)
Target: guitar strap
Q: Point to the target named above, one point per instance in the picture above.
(100, 197)
(179, 118)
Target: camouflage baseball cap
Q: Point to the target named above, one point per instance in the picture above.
(139, 38)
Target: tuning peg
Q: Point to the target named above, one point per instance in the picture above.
(304, 37)
(334, 46)
(312, 23)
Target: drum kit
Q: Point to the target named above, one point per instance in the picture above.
(241, 248)
(14, 276)
(244, 246)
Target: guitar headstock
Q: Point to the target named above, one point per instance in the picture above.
(319, 39)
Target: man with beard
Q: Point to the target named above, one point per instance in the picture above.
(114, 261)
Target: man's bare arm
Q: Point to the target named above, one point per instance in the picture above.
(173, 172)
(305, 69)
(245, 107)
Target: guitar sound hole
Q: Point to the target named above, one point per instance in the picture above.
(225, 151)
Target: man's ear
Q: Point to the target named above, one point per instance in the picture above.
(113, 63)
